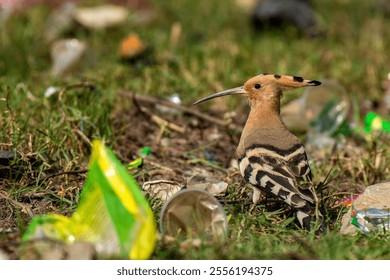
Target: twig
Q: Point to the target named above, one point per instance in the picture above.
(206, 162)
(83, 136)
(33, 182)
(159, 165)
(163, 123)
(196, 113)
(156, 119)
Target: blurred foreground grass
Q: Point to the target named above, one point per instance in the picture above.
(217, 49)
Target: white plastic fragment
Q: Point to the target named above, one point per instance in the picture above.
(101, 17)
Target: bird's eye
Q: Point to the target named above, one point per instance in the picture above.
(257, 86)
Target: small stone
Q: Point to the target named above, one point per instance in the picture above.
(6, 157)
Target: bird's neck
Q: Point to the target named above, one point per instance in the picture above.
(265, 113)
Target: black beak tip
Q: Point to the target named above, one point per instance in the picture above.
(314, 83)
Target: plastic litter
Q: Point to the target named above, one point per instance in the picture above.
(210, 184)
(322, 112)
(145, 151)
(101, 17)
(373, 122)
(370, 211)
(60, 21)
(131, 47)
(300, 113)
(161, 189)
(369, 219)
(67, 55)
(51, 91)
(193, 213)
(135, 163)
(113, 213)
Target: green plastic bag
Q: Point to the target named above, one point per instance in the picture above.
(113, 213)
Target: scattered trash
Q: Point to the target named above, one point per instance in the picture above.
(193, 213)
(113, 214)
(175, 99)
(349, 200)
(275, 13)
(369, 219)
(101, 17)
(373, 122)
(162, 189)
(328, 125)
(60, 21)
(210, 184)
(44, 249)
(135, 163)
(145, 151)
(322, 112)
(370, 210)
(132, 47)
(51, 91)
(67, 55)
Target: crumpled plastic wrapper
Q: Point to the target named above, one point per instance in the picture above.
(369, 219)
(162, 189)
(370, 210)
(193, 213)
(68, 55)
(210, 184)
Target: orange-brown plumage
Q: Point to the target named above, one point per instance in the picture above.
(270, 157)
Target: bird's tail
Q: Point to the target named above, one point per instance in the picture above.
(310, 218)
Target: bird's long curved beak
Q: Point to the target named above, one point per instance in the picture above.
(232, 91)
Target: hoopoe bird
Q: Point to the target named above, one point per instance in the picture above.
(269, 156)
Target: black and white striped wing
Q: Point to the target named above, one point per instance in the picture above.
(284, 173)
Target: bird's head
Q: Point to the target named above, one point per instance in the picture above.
(265, 88)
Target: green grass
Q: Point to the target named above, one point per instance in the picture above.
(217, 49)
